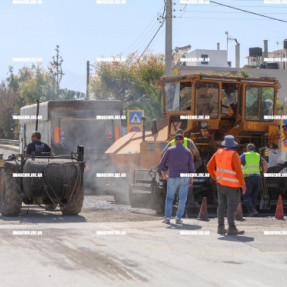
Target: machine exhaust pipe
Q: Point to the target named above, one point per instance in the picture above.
(37, 115)
(80, 152)
(143, 118)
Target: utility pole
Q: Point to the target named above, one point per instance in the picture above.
(88, 80)
(168, 37)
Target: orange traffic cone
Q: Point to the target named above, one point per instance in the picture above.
(279, 209)
(203, 215)
(238, 215)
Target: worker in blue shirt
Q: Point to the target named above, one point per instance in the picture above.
(180, 163)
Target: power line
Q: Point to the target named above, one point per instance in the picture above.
(222, 19)
(266, 6)
(141, 36)
(149, 30)
(161, 24)
(225, 12)
(145, 37)
(183, 10)
(152, 39)
(249, 12)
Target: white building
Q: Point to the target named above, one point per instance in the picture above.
(205, 58)
(279, 57)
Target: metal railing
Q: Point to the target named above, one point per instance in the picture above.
(9, 142)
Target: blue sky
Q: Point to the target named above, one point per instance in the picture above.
(86, 30)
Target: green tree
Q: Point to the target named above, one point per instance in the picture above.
(7, 99)
(66, 94)
(131, 81)
(151, 103)
(56, 71)
(28, 85)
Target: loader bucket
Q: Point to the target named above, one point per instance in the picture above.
(145, 192)
(140, 196)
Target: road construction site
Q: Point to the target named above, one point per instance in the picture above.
(116, 245)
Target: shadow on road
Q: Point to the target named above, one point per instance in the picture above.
(184, 226)
(236, 238)
(43, 216)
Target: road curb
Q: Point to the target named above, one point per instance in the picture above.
(9, 147)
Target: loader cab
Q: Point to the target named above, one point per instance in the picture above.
(208, 107)
(194, 104)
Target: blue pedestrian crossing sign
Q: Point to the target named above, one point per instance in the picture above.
(135, 118)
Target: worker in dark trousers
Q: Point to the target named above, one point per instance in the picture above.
(250, 162)
(225, 168)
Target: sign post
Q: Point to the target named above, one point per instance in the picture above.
(135, 121)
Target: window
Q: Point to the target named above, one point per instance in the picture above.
(259, 102)
(205, 59)
(185, 96)
(178, 96)
(206, 99)
(171, 96)
(176, 123)
(229, 97)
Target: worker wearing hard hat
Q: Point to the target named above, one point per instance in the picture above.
(250, 162)
(225, 168)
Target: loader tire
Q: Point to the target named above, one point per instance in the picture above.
(10, 199)
(76, 203)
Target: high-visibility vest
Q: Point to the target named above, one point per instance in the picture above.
(172, 143)
(252, 164)
(225, 173)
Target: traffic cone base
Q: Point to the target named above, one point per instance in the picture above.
(279, 214)
(203, 214)
(238, 215)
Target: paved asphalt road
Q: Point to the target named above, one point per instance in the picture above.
(46, 249)
(116, 245)
(8, 150)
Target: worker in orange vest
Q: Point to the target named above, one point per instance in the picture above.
(225, 168)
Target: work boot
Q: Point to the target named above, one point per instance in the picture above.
(166, 221)
(221, 230)
(234, 231)
(178, 221)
